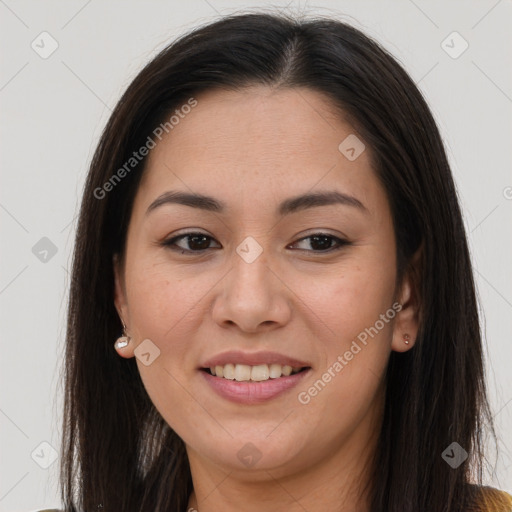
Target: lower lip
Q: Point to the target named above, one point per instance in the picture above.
(250, 392)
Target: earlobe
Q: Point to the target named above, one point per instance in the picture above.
(407, 320)
(123, 344)
(119, 295)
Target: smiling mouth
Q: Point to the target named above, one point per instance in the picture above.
(257, 373)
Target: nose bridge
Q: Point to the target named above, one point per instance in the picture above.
(250, 282)
(251, 296)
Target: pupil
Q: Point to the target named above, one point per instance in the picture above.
(325, 245)
(203, 238)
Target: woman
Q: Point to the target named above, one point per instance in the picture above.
(271, 222)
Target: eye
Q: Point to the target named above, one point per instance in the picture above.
(200, 242)
(196, 242)
(323, 242)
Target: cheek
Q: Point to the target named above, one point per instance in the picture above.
(161, 299)
(355, 352)
(164, 308)
(355, 307)
(351, 298)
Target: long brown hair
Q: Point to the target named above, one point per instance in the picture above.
(119, 455)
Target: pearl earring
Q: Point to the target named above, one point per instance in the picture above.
(123, 340)
(406, 339)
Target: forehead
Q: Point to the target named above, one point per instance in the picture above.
(259, 142)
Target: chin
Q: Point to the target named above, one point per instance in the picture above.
(253, 454)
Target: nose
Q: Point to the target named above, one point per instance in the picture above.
(253, 297)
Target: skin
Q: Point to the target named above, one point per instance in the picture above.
(252, 149)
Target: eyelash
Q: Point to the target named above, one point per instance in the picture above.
(170, 244)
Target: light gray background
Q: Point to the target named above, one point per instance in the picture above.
(53, 111)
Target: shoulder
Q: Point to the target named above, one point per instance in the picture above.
(489, 499)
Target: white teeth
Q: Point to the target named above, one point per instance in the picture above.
(229, 371)
(275, 371)
(257, 373)
(242, 372)
(287, 370)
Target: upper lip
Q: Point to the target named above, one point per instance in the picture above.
(252, 359)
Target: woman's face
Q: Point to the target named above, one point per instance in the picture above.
(256, 288)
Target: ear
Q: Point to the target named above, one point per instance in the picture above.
(407, 319)
(121, 304)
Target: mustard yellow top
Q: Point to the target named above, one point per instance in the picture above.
(491, 500)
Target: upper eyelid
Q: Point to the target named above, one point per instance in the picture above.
(319, 231)
(190, 233)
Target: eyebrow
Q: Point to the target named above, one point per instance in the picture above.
(288, 206)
